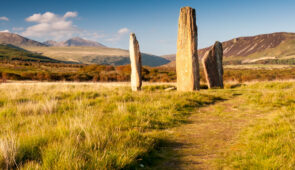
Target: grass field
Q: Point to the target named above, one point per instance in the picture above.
(106, 126)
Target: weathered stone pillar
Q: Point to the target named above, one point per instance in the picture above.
(135, 60)
(187, 64)
(213, 68)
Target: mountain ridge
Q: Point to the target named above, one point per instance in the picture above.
(18, 40)
(74, 42)
(252, 47)
(241, 50)
(78, 50)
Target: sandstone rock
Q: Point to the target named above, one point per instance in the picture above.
(135, 59)
(187, 64)
(213, 68)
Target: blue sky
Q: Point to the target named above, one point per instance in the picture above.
(154, 21)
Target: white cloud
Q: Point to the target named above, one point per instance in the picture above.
(4, 19)
(123, 31)
(120, 33)
(5, 31)
(51, 26)
(43, 18)
(71, 14)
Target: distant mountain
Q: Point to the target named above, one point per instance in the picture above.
(74, 42)
(17, 40)
(74, 50)
(54, 43)
(254, 48)
(9, 52)
(82, 42)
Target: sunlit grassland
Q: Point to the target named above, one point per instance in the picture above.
(106, 126)
(268, 143)
(87, 126)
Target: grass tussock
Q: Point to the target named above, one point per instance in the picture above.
(8, 150)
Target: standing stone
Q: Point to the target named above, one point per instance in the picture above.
(135, 59)
(187, 64)
(213, 68)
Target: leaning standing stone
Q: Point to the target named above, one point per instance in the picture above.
(135, 59)
(187, 64)
(213, 68)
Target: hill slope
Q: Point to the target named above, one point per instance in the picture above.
(254, 48)
(74, 42)
(96, 55)
(13, 53)
(17, 40)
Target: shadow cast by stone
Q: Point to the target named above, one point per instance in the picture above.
(236, 86)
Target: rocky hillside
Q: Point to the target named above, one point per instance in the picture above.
(17, 40)
(260, 47)
(74, 42)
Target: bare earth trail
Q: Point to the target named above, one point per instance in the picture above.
(210, 131)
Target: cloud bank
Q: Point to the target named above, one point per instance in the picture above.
(51, 26)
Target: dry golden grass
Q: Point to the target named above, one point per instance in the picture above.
(106, 126)
(87, 125)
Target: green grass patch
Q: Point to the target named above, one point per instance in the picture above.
(268, 143)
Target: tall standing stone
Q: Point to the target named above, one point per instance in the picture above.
(187, 64)
(135, 59)
(213, 68)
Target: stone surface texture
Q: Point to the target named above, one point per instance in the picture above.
(213, 68)
(187, 64)
(135, 60)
